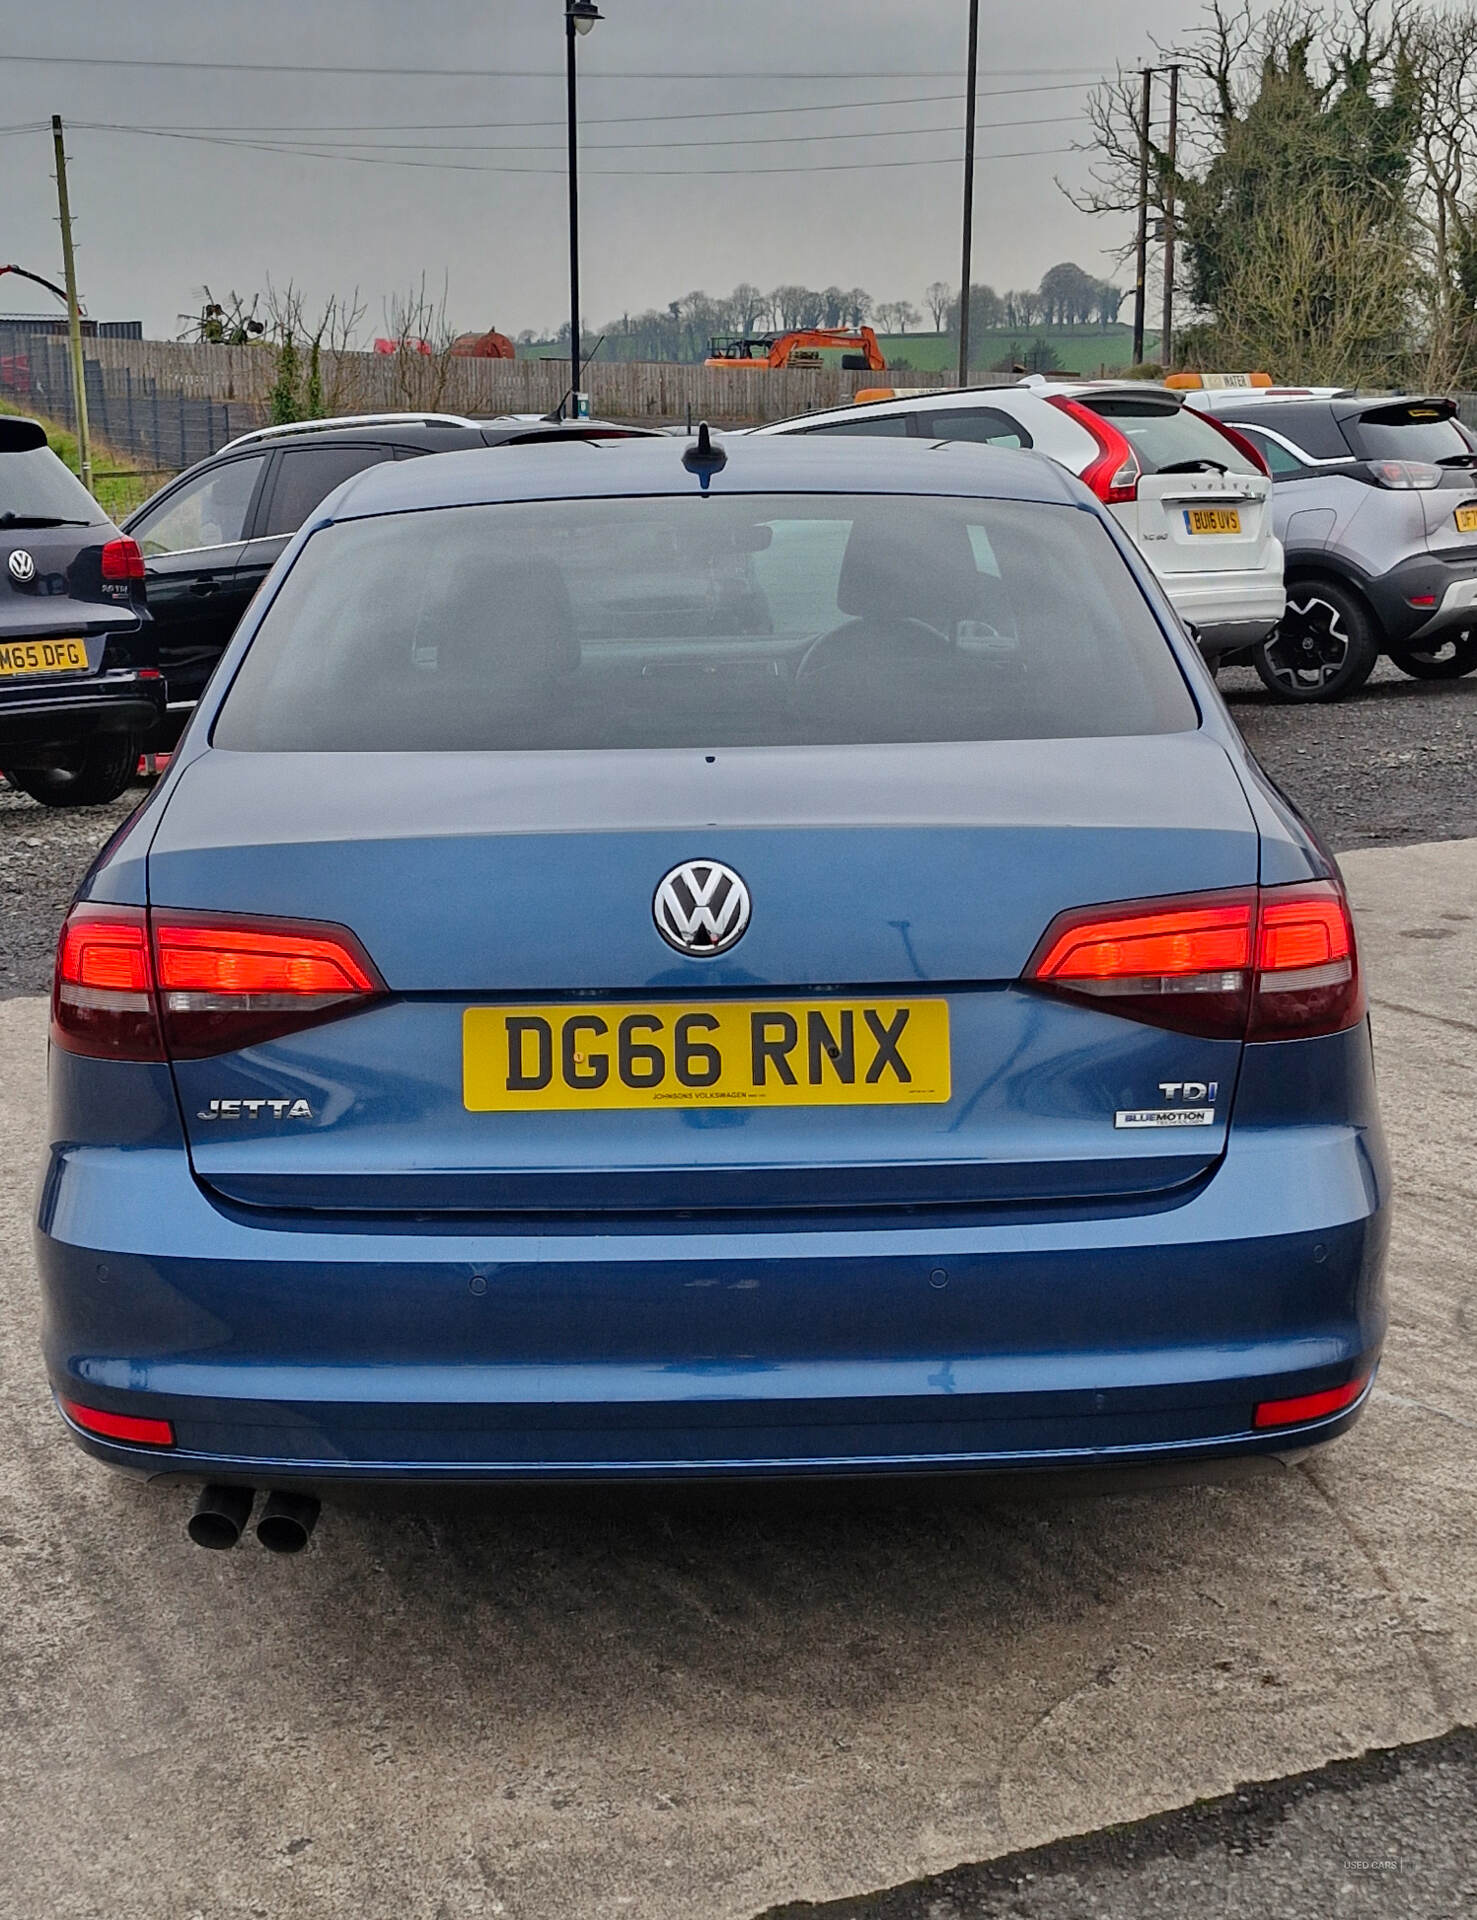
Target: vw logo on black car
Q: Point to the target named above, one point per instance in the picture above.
(22, 566)
(701, 908)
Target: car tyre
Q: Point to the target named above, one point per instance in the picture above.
(1444, 657)
(1323, 647)
(96, 773)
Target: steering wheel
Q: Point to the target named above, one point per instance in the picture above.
(848, 645)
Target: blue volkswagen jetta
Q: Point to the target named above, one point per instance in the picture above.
(659, 961)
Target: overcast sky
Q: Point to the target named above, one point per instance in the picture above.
(157, 218)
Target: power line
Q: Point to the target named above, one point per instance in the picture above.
(335, 148)
(306, 128)
(602, 173)
(500, 73)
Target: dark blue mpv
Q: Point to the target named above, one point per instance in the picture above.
(661, 960)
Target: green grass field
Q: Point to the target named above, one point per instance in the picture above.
(1077, 349)
(118, 484)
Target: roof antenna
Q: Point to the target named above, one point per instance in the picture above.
(702, 457)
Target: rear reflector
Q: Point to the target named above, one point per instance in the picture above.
(1258, 964)
(1309, 1406)
(120, 1426)
(206, 983)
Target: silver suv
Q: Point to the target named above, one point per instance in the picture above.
(1375, 501)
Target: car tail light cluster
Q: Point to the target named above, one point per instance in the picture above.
(1115, 473)
(1265, 963)
(134, 985)
(1403, 476)
(122, 560)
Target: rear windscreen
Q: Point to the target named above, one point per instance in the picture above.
(702, 621)
(1168, 437)
(34, 485)
(1409, 431)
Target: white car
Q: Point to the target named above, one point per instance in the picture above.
(1191, 493)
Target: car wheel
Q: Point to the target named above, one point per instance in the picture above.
(1322, 648)
(1445, 656)
(89, 777)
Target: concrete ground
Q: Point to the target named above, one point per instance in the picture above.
(696, 1708)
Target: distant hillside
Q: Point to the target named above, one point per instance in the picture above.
(1077, 349)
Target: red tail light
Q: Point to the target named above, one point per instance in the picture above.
(1261, 964)
(1247, 448)
(1115, 473)
(120, 1426)
(198, 983)
(1309, 1406)
(102, 996)
(122, 560)
(226, 982)
(1307, 964)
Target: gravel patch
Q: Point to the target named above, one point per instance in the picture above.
(44, 852)
(1396, 763)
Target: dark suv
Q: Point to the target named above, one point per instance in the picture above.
(210, 537)
(79, 672)
(1374, 498)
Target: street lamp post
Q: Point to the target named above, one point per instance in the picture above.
(579, 17)
(971, 76)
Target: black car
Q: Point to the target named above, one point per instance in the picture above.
(210, 537)
(80, 687)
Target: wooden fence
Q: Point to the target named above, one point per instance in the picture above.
(367, 383)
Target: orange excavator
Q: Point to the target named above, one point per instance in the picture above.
(802, 348)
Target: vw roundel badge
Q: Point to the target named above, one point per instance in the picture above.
(22, 566)
(701, 908)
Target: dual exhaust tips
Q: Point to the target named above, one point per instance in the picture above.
(285, 1524)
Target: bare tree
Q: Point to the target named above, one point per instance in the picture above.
(421, 348)
(1442, 48)
(939, 298)
(748, 306)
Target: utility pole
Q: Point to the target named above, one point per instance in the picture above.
(1166, 338)
(1141, 253)
(973, 66)
(74, 311)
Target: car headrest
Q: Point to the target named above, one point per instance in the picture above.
(908, 565)
(504, 621)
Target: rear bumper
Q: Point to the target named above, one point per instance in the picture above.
(1451, 584)
(332, 1350)
(62, 715)
(1228, 610)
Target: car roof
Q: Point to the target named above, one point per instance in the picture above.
(1001, 395)
(752, 464)
(428, 430)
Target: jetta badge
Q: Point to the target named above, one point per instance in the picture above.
(254, 1109)
(701, 908)
(22, 566)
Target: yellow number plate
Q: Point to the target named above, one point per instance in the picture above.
(1213, 519)
(731, 1053)
(1466, 519)
(42, 656)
